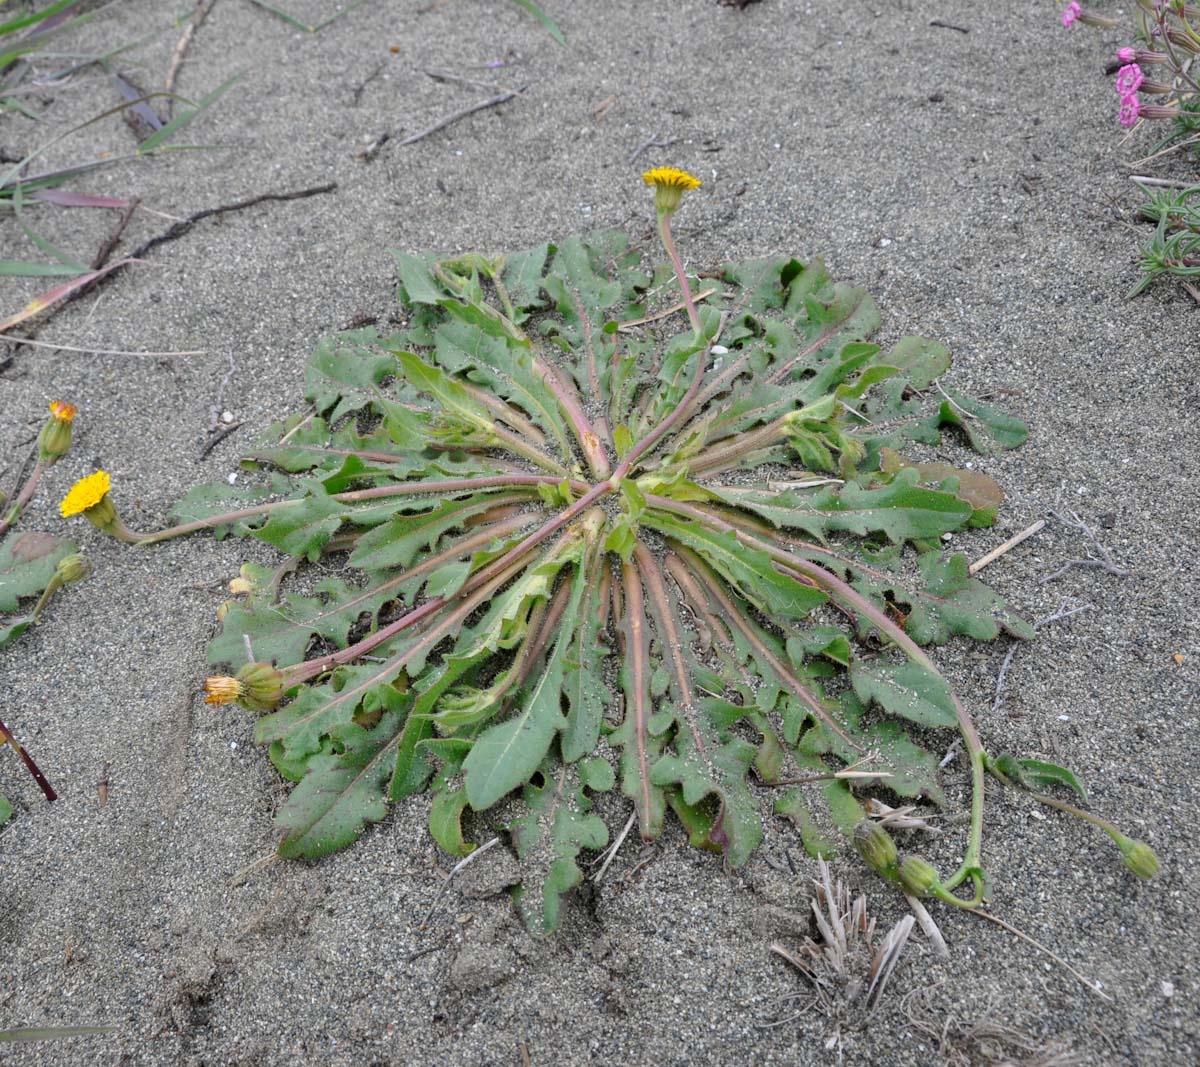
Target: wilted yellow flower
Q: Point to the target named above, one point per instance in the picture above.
(222, 690)
(85, 494)
(670, 183)
(60, 409)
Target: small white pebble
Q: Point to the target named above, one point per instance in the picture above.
(227, 416)
(946, 536)
(233, 746)
(884, 242)
(718, 350)
(231, 477)
(1168, 989)
(1037, 815)
(1064, 718)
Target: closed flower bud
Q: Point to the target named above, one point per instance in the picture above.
(917, 877)
(55, 437)
(73, 568)
(1139, 858)
(262, 686)
(876, 847)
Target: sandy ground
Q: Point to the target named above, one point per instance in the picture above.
(972, 181)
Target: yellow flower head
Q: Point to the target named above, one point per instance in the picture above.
(670, 183)
(85, 494)
(60, 409)
(222, 690)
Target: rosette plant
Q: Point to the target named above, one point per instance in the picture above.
(588, 531)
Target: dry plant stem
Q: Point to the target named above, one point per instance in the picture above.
(6, 737)
(356, 496)
(24, 496)
(1007, 546)
(1038, 945)
(840, 590)
(449, 120)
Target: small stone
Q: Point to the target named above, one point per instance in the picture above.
(1168, 989)
(227, 417)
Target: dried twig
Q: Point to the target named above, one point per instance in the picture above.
(464, 862)
(98, 351)
(611, 852)
(665, 313)
(1063, 613)
(449, 120)
(1102, 561)
(651, 142)
(215, 437)
(1038, 945)
(218, 405)
(181, 47)
(1008, 546)
(110, 243)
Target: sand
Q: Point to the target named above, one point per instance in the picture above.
(973, 182)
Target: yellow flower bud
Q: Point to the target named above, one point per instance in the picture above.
(917, 877)
(1139, 858)
(876, 847)
(73, 568)
(55, 437)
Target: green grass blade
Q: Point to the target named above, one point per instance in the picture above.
(316, 27)
(52, 1033)
(549, 23)
(159, 137)
(21, 21)
(16, 268)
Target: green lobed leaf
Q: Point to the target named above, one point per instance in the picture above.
(548, 837)
(342, 791)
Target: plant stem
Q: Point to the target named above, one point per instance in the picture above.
(735, 617)
(23, 497)
(311, 668)
(52, 587)
(664, 231)
(356, 496)
(6, 737)
(847, 594)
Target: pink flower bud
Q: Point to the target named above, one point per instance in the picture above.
(1071, 13)
(1127, 55)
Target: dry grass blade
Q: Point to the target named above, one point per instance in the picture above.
(886, 958)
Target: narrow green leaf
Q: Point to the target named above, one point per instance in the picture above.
(161, 136)
(544, 19)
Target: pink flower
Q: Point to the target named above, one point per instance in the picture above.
(1129, 79)
(1071, 13)
(1126, 55)
(1130, 109)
